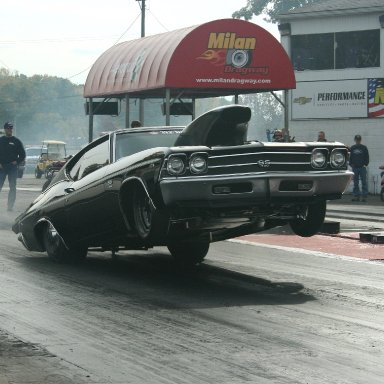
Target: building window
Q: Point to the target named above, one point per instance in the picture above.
(312, 51)
(356, 49)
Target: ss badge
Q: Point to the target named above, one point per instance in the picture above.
(264, 163)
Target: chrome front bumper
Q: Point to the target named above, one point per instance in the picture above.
(262, 186)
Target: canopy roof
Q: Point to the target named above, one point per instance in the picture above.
(334, 8)
(218, 58)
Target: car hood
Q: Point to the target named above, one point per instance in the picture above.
(227, 125)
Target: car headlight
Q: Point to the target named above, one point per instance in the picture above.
(319, 158)
(176, 165)
(198, 163)
(338, 158)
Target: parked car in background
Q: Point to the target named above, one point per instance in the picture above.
(182, 188)
(50, 151)
(32, 158)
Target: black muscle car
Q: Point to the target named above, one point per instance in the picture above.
(182, 188)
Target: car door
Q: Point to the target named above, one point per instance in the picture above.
(86, 211)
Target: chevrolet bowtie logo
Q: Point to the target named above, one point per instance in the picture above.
(302, 100)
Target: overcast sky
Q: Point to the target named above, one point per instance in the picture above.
(64, 38)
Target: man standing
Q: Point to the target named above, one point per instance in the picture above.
(12, 154)
(321, 136)
(359, 160)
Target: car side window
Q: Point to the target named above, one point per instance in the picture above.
(93, 159)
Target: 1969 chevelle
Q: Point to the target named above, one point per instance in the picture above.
(182, 188)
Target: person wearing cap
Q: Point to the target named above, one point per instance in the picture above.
(359, 160)
(12, 154)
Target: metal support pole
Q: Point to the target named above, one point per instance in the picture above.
(141, 111)
(286, 117)
(141, 101)
(284, 104)
(167, 107)
(127, 112)
(193, 109)
(90, 128)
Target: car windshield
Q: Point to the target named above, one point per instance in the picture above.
(130, 143)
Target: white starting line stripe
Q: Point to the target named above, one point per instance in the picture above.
(30, 189)
(307, 252)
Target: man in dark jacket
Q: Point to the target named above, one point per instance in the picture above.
(12, 154)
(359, 160)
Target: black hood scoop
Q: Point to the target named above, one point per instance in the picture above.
(221, 126)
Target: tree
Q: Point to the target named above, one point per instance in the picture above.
(41, 107)
(267, 114)
(269, 8)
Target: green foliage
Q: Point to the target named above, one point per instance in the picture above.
(41, 107)
(269, 8)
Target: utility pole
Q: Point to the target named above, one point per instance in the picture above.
(142, 7)
(141, 101)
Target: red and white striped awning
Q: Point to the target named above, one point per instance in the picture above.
(218, 58)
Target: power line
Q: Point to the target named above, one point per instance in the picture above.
(160, 23)
(121, 36)
(56, 40)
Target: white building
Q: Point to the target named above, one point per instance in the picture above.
(337, 49)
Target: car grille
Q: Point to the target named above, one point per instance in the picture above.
(220, 163)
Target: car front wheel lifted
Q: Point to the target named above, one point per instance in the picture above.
(189, 253)
(311, 221)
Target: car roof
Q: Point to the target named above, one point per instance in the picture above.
(45, 142)
(149, 129)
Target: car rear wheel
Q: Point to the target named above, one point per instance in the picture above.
(56, 249)
(188, 253)
(142, 213)
(312, 220)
